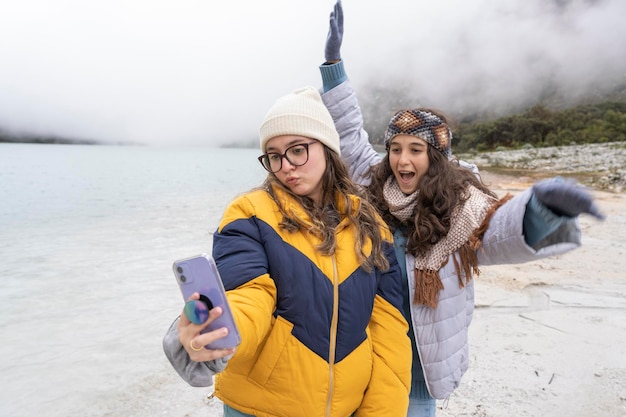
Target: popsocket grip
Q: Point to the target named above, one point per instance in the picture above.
(196, 311)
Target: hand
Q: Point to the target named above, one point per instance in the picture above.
(566, 198)
(194, 342)
(332, 52)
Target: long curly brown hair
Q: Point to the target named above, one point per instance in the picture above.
(336, 183)
(441, 189)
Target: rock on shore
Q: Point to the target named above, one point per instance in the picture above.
(599, 165)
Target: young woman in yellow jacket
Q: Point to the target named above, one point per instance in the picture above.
(313, 282)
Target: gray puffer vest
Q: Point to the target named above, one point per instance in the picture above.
(442, 333)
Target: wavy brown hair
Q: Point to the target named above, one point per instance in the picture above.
(441, 189)
(336, 183)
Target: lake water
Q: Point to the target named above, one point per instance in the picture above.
(88, 235)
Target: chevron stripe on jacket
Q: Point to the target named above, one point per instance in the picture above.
(320, 335)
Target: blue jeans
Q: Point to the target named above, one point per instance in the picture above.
(231, 412)
(422, 407)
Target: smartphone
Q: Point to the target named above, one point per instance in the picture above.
(199, 274)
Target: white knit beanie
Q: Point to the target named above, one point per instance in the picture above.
(300, 113)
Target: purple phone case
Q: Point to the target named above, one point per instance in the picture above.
(199, 274)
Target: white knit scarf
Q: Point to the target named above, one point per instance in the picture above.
(400, 204)
(468, 223)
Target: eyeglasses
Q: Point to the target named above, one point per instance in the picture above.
(296, 155)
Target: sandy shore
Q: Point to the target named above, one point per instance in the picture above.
(548, 338)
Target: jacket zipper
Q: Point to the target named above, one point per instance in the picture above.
(333, 338)
(415, 329)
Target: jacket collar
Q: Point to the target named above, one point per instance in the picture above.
(291, 205)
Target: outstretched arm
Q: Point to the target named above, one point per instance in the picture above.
(539, 222)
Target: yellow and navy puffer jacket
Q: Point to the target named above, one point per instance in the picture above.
(320, 336)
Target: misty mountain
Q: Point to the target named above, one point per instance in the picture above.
(378, 104)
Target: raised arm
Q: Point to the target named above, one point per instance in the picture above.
(340, 99)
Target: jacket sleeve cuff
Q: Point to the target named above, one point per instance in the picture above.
(332, 75)
(539, 221)
(196, 374)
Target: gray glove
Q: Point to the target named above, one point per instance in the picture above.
(566, 198)
(332, 52)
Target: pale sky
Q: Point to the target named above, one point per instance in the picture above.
(205, 72)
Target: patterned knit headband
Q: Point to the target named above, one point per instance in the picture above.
(422, 124)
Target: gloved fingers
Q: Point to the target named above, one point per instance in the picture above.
(335, 29)
(339, 16)
(335, 34)
(594, 210)
(566, 197)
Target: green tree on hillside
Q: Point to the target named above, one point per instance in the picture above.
(540, 127)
